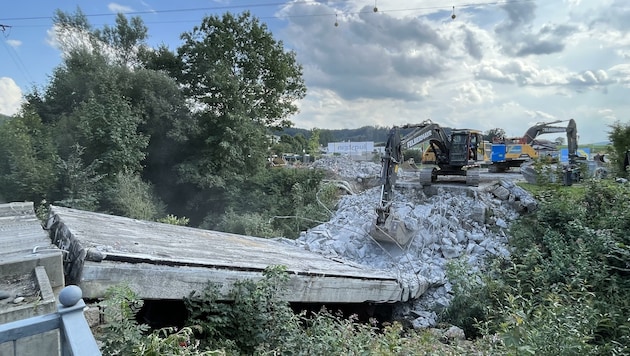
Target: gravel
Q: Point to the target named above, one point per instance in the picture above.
(451, 224)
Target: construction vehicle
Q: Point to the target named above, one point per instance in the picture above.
(570, 172)
(513, 152)
(456, 153)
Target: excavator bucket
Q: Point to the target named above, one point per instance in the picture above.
(392, 230)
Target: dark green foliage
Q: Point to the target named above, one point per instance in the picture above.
(566, 280)
(108, 129)
(473, 296)
(244, 83)
(27, 159)
(122, 335)
(256, 315)
(259, 321)
(492, 134)
(281, 202)
(620, 138)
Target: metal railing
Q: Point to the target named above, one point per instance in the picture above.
(76, 338)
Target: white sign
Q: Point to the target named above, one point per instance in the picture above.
(350, 147)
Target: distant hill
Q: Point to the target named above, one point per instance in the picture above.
(375, 134)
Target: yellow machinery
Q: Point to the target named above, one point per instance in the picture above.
(456, 152)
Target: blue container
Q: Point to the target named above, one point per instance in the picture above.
(498, 152)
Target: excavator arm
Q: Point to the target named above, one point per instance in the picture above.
(388, 227)
(454, 150)
(540, 129)
(390, 161)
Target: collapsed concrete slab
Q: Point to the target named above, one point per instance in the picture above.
(162, 261)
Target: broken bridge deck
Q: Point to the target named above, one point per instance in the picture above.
(162, 261)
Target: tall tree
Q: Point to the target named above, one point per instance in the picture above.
(122, 116)
(313, 142)
(242, 82)
(125, 39)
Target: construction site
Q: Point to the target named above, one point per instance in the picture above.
(385, 251)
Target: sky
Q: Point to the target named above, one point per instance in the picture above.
(498, 64)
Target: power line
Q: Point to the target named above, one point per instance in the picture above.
(15, 57)
(275, 4)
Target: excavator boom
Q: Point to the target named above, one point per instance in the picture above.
(456, 153)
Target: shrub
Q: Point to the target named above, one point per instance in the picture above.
(122, 335)
(130, 196)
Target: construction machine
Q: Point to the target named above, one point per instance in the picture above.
(571, 171)
(513, 152)
(457, 152)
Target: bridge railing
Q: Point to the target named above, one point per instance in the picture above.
(76, 338)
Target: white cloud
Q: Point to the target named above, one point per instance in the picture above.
(10, 96)
(118, 8)
(14, 43)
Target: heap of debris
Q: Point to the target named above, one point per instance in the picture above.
(349, 169)
(463, 224)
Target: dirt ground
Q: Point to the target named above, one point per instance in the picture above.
(15, 286)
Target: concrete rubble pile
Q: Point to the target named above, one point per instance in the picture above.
(349, 169)
(467, 225)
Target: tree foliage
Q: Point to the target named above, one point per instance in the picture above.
(127, 127)
(492, 134)
(620, 138)
(242, 82)
(27, 159)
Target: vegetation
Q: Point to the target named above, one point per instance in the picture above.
(260, 322)
(566, 279)
(146, 133)
(620, 138)
(563, 290)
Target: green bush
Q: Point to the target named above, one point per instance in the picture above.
(122, 335)
(565, 288)
(128, 195)
(250, 224)
(257, 314)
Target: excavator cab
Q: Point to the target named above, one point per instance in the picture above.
(462, 149)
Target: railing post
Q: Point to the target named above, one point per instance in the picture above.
(76, 337)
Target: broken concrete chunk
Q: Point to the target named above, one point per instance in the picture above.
(501, 192)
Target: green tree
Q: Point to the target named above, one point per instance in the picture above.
(243, 81)
(620, 138)
(492, 134)
(313, 142)
(79, 183)
(27, 159)
(108, 129)
(326, 136)
(126, 38)
(110, 99)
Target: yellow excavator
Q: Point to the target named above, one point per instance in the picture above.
(458, 152)
(513, 152)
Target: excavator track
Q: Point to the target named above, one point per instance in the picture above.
(472, 177)
(427, 176)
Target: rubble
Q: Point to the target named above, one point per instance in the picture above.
(467, 225)
(349, 169)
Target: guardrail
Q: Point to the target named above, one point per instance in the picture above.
(76, 338)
